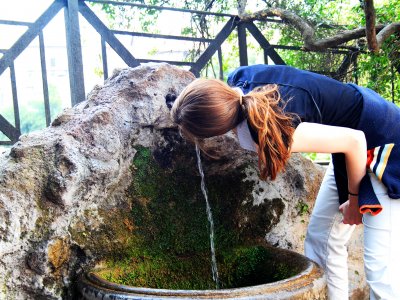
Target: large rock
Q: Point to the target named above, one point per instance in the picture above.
(74, 194)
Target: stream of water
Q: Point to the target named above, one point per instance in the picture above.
(214, 268)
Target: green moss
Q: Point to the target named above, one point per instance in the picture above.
(169, 246)
(168, 208)
(161, 271)
(167, 212)
(238, 267)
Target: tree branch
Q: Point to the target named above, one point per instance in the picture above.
(308, 31)
(386, 32)
(370, 30)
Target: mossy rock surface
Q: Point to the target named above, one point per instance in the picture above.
(170, 243)
(238, 267)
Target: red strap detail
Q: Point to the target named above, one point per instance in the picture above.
(370, 157)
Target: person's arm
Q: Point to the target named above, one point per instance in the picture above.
(312, 137)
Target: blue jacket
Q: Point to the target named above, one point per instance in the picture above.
(318, 99)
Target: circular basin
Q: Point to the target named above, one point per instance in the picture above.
(305, 281)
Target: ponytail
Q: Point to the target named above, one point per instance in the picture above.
(273, 126)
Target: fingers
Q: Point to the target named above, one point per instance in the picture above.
(351, 215)
(355, 222)
(352, 220)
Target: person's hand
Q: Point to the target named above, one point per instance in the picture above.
(351, 213)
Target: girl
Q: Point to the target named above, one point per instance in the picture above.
(277, 110)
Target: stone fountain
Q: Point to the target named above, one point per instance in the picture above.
(111, 185)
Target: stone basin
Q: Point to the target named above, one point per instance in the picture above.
(262, 277)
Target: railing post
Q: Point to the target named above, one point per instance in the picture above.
(104, 58)
(220, 63)
(74, 52)
(242, 44)
(44, 79)
(15, 103)
(266, 60)
(268, 49)
(213, 46)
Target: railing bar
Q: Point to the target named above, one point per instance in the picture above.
(173, 62)
(9, 130)
(199, 12)
(302, 49)
(242, 43)
(74, 52)
(256, 33)
(108, 36)
(15, 98)
(104, 58)
(17, 23)
(3, 50)
(6, 143)
(265, 52)
(44, 79)
(29, 35)
(221, 69)
(161, 36)
(213, 47)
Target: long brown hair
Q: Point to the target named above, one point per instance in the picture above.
(274, 128)
(209, 107)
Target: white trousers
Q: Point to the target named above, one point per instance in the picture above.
(327, 238)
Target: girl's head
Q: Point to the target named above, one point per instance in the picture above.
(206, 108)
(209, 107)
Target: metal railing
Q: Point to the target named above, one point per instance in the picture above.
(72, 9)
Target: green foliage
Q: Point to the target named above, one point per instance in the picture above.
(374, 71)
(317, 156)
(312, 155)
(377, 71)
(302, 208)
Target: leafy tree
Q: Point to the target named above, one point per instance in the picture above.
(312, 25)
(320, 28)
